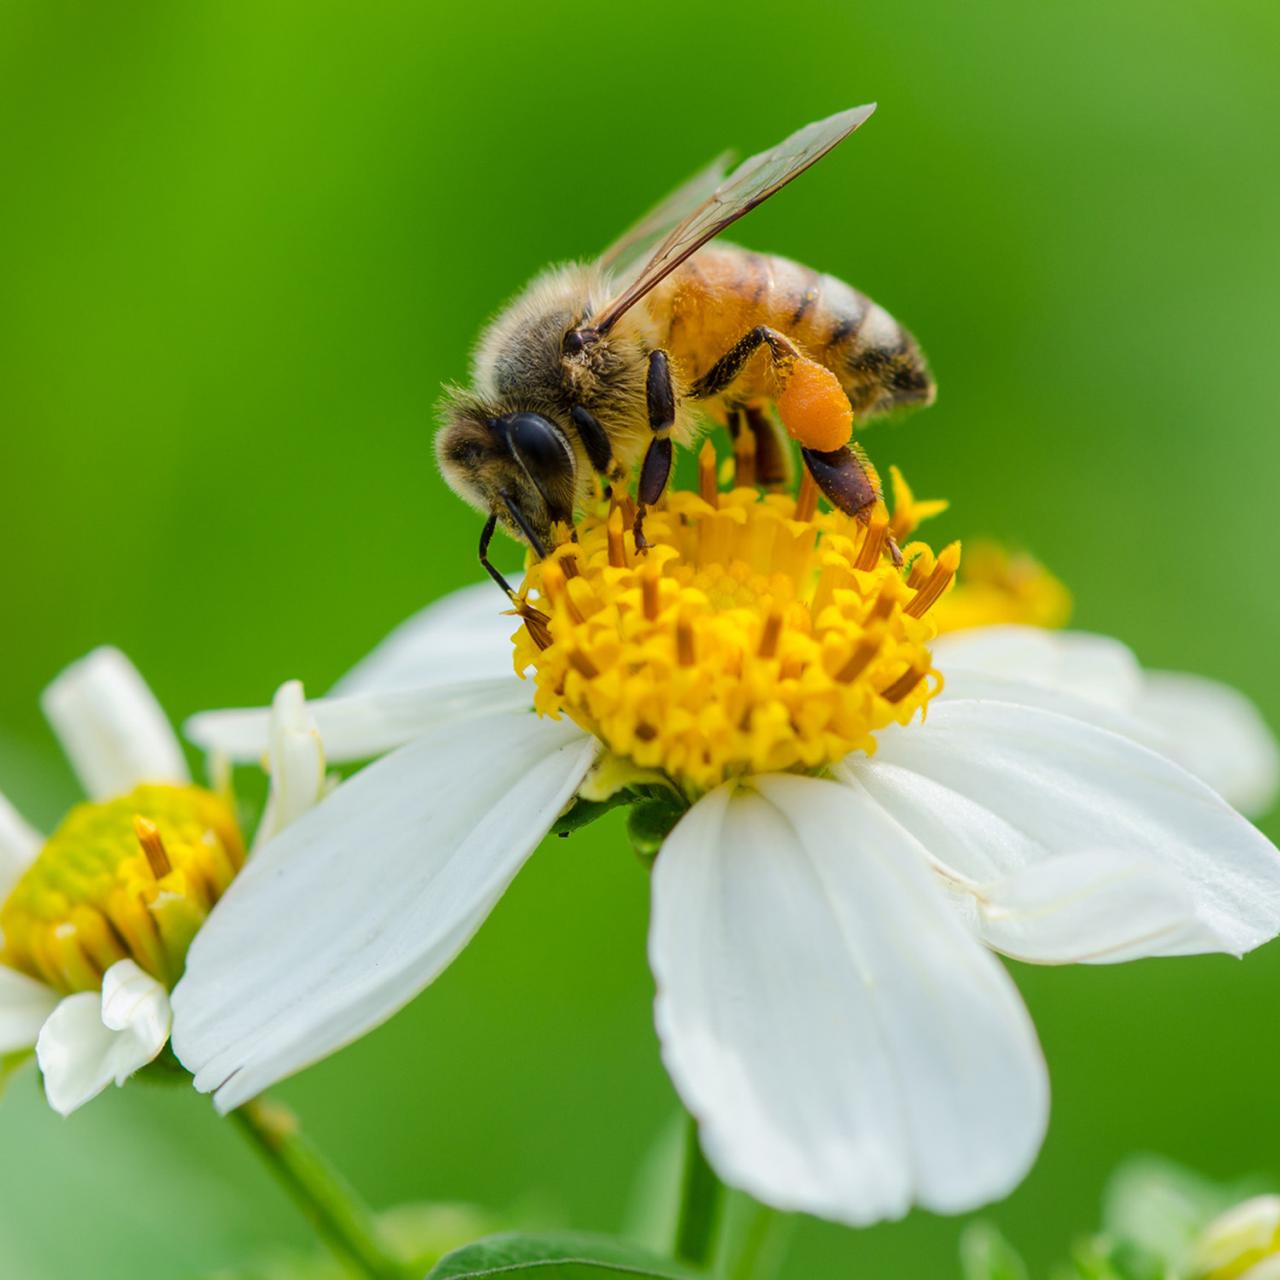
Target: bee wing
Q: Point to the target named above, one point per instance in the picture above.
(625, 252)
(750, 184)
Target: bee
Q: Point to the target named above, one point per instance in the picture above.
(597, 370)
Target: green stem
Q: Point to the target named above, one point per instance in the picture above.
(701, 1193)
(760, 1252)
(336, 1211)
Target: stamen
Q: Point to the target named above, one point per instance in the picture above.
(905, 683)
(939, 581)
(771, 635)
(708, 489)
(569, 563)
(873, 543)
(617, 542)
(744, 455)
(557, 589)
(152, 843)
(866, 649)
(919, 573)
(651, 596)
(686, 653)
(583, 665)
(807, 499)
(538, 625)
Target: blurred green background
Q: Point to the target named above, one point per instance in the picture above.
(242, 245)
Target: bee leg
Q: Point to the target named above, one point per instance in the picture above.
(596, 445)
(725, 370)
(847, 480)
(773, 457)
(655, 470)
(486, 537)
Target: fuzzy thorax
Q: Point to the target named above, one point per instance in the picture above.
(756, 634)
(129, 878)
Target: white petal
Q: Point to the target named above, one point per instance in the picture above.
(358, 905)
(1216, 732)
(111, 726)
(465, 636)
(990, 788)
(1096, 668)
(295, 761)
(847, 1046)
(19, 844)
(1204, 725)
(1092, 908)
(362, 725)
(91, 1039)
(24, 1006)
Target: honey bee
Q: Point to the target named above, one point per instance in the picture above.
(598, 369)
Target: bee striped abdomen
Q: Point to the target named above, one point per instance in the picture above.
(722, 292)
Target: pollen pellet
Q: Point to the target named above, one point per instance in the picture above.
(814, 408)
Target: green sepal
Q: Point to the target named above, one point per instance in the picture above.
(559, 1256)
(986, 1255)
(651, 821)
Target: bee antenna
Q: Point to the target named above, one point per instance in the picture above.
(519, 517)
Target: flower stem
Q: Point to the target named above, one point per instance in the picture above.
(759, 1253)
(337, 1212)
(701, 1193)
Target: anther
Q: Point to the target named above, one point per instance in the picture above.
(617, 544)
(569, 563)
(744, 460)
(882, 608)
(650, 595)
(582, 664)
(873, 542)
(939, 580)
(152, 843)
(860, 658)
(771, 635)
(708, 489)
(921, 566)
(686, 651)
(537, 624)
(905, 683)
(807, 498)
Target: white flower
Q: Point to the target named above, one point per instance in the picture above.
(829, 1006)
(1208, 727)
(86, 933)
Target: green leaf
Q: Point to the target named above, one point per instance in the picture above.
(986, 1255)
(561, 1256)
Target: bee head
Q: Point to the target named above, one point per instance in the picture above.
(516, 465)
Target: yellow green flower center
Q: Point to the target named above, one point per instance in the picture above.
(129, 878)
(756, 634)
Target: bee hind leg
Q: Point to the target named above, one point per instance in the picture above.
(655, 470)
(847, 480)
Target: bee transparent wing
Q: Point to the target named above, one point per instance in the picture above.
(750, 184)
(628, 250)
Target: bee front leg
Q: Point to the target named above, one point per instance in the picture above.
(655, 470)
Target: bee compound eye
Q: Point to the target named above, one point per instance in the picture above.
(539, 444)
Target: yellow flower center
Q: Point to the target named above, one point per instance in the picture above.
(129, 878)
(755, 635)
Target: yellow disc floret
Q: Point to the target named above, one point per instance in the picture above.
(755, 635)
(129, 878)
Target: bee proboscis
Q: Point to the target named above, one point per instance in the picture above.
(596, 370)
